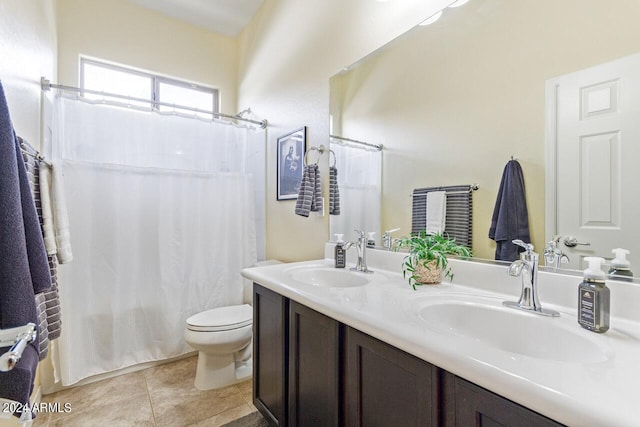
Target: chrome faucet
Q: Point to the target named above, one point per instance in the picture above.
(553, 256)
(527, 267)
(361, 246)
(387, 241)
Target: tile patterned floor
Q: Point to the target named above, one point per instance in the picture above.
(161, 396)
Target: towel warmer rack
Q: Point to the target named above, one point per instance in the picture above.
(459, 209)
(18, 338)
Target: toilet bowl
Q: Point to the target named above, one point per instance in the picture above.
(222, 337)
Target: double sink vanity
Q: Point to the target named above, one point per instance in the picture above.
(336, 347)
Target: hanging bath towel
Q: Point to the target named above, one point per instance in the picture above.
(24, 270)
(510, 216)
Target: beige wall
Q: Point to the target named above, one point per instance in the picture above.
(286, 56)
(452, 102)
(27, 51)
(122, 32)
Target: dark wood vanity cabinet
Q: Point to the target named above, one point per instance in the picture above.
(296, 364)
(311, 370)
(270, 350)
(314, 368)
(470, 405)
(385, 386)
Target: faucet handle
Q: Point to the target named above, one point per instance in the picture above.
(393, 230)
(527, 246)
(361, 233)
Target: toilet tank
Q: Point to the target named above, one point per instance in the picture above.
(247, 287)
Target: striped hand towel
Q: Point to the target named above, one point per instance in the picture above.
(310, 194)
(334, 192)
(43, 332)
(316, 205)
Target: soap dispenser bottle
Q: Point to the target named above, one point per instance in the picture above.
(371, 240)
(340, 252)
(594, 298)
(620, 267)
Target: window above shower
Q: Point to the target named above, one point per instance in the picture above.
(161, 93)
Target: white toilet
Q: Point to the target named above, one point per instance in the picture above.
(222, 337)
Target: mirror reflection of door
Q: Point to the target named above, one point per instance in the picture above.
(594, 119)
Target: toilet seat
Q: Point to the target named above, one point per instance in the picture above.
(221, 319)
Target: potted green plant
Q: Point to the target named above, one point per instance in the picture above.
(427, 258)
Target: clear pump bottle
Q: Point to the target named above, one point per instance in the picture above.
(620, 267)
(594, 298)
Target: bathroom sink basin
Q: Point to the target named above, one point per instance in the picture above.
(328, 277)
(513, 331)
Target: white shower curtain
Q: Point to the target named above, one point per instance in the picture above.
(360, 184)
(163, 214)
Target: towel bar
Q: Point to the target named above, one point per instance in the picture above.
(18, 338)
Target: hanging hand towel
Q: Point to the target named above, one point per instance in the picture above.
(60, 216)
(54, 322)
(47, 211)
(436, 211)
(43, 331)
(510, 216)
(310, 193)
(334, 192)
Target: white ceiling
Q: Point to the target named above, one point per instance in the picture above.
(227, 17)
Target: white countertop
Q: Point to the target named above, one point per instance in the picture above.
(595, 393)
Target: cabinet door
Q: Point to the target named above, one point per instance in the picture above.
(314, 391)
(475, 406)
(270, 355)
(386, 386)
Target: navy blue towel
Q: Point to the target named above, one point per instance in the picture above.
(24, 269)
(510, 216)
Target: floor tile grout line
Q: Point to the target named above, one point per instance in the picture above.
(153, 412)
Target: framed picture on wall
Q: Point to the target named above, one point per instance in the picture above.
(291, 148)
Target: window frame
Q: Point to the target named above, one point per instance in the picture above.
(155, 81)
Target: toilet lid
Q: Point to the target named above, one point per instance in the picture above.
(222, 318)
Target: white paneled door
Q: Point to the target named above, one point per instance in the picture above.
(593, 145)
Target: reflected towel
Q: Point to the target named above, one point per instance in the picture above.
(334, 192)
(510, 216)
(436, 211)
(310, 194)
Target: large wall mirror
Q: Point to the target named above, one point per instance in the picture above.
(453, 101)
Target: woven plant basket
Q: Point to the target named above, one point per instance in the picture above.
(430, 275)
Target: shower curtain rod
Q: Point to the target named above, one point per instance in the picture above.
(47, 85)
(355, 141)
